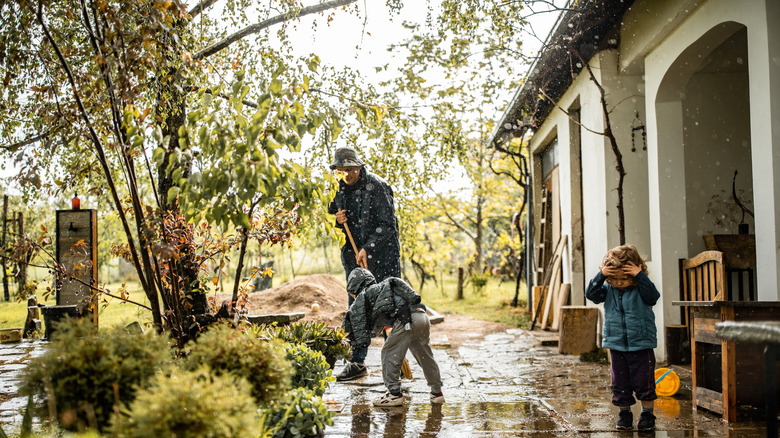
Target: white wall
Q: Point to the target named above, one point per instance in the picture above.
(717, 142)
(705, 29)
(667, 176)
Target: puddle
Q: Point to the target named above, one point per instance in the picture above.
(448, 420)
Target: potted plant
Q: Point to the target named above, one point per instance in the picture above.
(739, 250)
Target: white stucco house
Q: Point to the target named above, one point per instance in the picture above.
(692, 89)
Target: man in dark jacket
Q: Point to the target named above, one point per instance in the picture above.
(392, 303)
(364, 206)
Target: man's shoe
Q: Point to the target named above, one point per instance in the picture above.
(625, 420)
(646, 421)
(437, 398)
(352, 371)
(389, 400)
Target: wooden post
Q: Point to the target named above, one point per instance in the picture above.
(22, 280)
(460, 283)
(578, 329)
(4, 253)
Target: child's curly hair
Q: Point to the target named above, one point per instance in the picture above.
(620, 255)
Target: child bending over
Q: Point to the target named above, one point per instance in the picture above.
(391, 303)
(629, 331)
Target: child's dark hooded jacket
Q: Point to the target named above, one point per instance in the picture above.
(376, 305)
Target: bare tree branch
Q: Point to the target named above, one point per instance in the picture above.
(15, 146)
(257, 27)
(200, 7)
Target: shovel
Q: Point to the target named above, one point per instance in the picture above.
(352, 241)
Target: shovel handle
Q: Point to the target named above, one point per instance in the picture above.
(352, 241)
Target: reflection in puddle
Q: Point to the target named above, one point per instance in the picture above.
(451, 420)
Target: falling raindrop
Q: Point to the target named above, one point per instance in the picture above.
(379, 229)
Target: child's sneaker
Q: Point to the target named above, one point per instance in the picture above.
(437, 398)
(389, 400)
(626, 420)
(646, 421)
(352, 371)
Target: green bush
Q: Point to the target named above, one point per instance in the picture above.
(311, 370)
(304, 414)
(192, 404)
(261, 362)
(82, 373)
(479, 281)
(332, 343)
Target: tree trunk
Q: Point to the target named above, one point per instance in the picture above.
(478, 263)
(4, 248)
(240, 268)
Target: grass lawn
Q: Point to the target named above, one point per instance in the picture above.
(114, 314)
(492, 304)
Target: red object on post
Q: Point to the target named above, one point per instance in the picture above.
(76, 202)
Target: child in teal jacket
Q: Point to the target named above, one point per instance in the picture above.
(629, 331)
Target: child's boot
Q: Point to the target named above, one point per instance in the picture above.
(646, 421)
(625, 420)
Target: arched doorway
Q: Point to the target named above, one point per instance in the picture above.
(708, 86)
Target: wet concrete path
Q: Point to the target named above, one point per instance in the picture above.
(507, 384)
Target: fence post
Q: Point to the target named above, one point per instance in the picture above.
(460, 283)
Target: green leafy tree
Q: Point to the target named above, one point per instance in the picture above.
(461, 63)
(96, 93)
(483, 214)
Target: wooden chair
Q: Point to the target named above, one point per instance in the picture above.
(724, 374)
(702, 278)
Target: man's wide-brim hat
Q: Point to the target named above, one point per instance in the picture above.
(345, 157)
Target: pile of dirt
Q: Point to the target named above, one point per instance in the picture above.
(331, 295)
(299, 295)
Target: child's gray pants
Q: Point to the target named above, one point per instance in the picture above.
(418, 341)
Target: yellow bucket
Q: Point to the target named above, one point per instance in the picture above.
(667, 382)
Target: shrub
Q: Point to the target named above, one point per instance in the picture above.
(192, 404)
(332, 343)
(479, 281)
(304, 414)
(83, 372)
(311, 370)
(260, 362)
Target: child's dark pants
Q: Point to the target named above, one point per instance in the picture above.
(632, 372)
